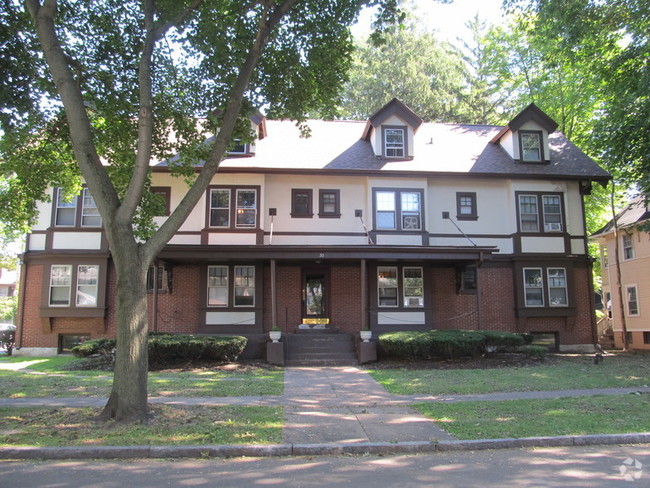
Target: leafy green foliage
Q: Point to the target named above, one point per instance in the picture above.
(8, 308)
(446, 344)
(426, 74)
(173, 348)
(532, 351)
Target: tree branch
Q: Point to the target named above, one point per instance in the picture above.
(81, 136)
(160, 31)
(267, 22)
(134, 191)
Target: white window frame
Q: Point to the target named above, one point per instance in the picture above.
(211, 208)
(534, 200)
(410, 299)
(552, 226)
(89, 209)
(635, 301)
(540, 287)
(219, 286)
(555, 286)
(68, 267)
(523, 136)
(61, 205)
(89, 289)
(628, 247)
(398, 208)
(394, 149)
(241, 209)
(243, 283)
(393, 271)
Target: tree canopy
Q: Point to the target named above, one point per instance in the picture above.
(103, 88)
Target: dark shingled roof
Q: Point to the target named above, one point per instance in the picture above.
(635, 213)
(438, 148)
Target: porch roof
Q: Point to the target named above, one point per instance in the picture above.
(193, 253)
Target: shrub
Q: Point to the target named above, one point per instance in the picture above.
(530, 351)
(103, 347)
(436, 343)
(502, 340)
(8, 340)
(172, 348)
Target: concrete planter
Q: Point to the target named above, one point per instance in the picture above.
(366, 335)
(275, 335)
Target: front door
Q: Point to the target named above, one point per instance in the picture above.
(314, 294)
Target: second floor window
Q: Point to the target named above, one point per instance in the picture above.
(466, 206)
(67, 214)
(329, 203)
(628, 248)
(301, 203)
(233, 207)
(540, 213)
(398, 209)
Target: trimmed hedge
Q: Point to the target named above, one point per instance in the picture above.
(446, 344)
(531, 351)
(172, 348)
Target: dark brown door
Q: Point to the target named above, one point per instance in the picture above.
(314, 293)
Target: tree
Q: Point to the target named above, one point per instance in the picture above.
(425, 73)
(612, 40)
(127, 82)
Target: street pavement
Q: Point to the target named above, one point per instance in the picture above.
(566, 467)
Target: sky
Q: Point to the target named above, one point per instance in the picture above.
(448, 19)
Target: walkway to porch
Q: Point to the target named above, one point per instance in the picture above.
(345, 404)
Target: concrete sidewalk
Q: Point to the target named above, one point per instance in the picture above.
(346, 405)
(330, 411)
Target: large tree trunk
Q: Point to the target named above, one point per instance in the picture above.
(128, 398)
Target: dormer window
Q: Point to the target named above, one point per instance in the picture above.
(394, 142)
(530, 144)
(238, 147)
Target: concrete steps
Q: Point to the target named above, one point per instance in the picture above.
(320, 347)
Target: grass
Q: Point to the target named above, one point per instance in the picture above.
(563, 374)
(525, 418)
(168, 426)
(47, 377)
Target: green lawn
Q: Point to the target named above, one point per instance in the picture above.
(45, 377)
(526, 418)
(168, 426)
(563, 374)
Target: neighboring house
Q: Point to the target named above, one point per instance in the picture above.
(392, 223)
(634, 260)
(8, 280)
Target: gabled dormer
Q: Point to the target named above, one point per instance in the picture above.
(390, 131)
(525, 138)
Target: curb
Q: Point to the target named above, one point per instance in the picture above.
(330, 449)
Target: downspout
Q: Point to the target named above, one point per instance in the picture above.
(364, 301)
(274, 305)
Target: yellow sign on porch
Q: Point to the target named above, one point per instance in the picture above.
(319, 321)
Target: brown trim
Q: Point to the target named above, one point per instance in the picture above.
(295, 194)
(72, 310)
(166, 193)
(398, 174)
(540, 214)
(337, 234)
(474, 213)
(193, 253)
(521, 310)
(232, 215)
(398, 211)
(321, 204)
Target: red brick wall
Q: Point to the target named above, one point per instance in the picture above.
(180, 311)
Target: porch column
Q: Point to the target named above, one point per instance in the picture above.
(363, 294)
(274, 305)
